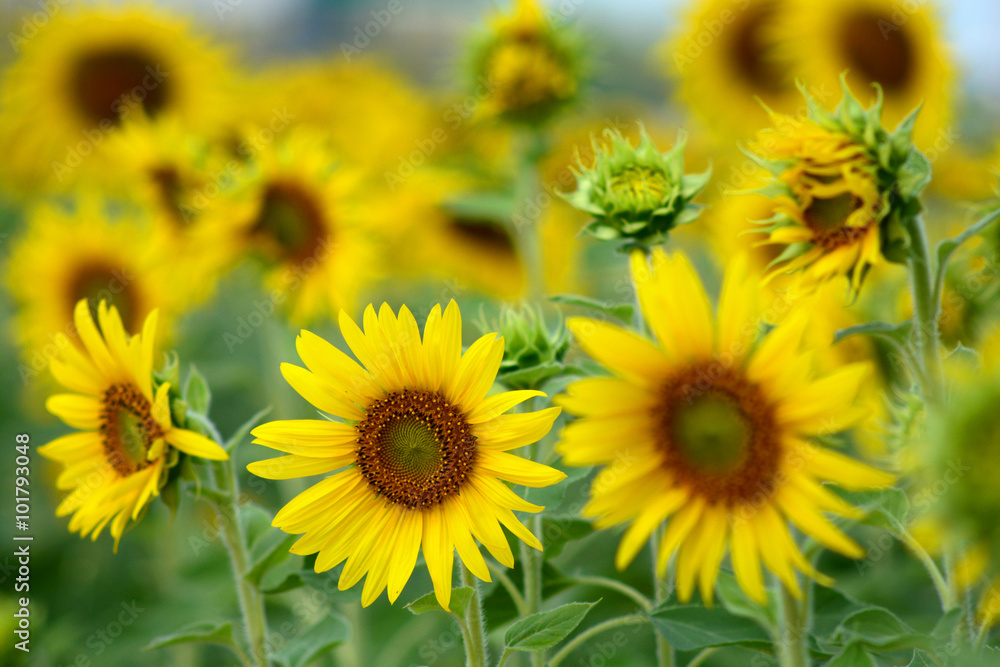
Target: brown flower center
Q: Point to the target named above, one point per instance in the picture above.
(718, 433)
(484, 235)
(127, 429)
(415, 448)
(878, 49)
(97, 281)
(291, 220)
(106, 85)
(750, 53)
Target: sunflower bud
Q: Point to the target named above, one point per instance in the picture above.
(843, 187)
(637, 193)
(533, 354)
(528, 68)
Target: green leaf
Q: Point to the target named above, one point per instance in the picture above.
(198, 633)
(196, 392)
(830, 607)
(569, 494)
(460, 598)
(240, 434)
(324, 582)
(290, 582)
(545, 629)
(914, 174)
(691, 627)
(620, 311)
(880, 628)
(557, 532)
(329, 633)
(274, 552)
(854, 655)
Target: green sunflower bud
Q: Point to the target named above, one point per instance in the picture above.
(637, 193)
(533, 354)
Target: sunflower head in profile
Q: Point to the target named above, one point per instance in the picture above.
(637, 194)
(421, 452)
(127, 441)
(842, 187)
(301, 214)
(900, 47)
(89, 250)
(84, 73)
(528, 67)
(712, 428)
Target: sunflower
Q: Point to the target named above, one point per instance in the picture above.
(121, 456)
(303, 216)
(725, 58)
(84, 73)
(875, 41)
(843, 188)
(89, 251)
(163, 165)
(421, 447)
(711, 428)
(529, 67)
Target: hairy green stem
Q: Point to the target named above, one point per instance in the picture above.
(661, 591)
(940, 584)
(475, 646)
(581, 638)
(531, 565)
(926, 310)
(233, 536)
(792, 648)
(528, 198)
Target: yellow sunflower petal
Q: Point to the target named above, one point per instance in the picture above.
(620, 350)
(518, 470)
(77, 410)
(194, 444)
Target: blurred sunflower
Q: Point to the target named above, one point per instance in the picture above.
(527, 67)
(162, 165)
(89, 251)
(369, 132)
(304, 216)
(726, 57)
(127, 443)
(875, 41)
(85, 72)
(711, 428)
(423, 447)
(436, 229)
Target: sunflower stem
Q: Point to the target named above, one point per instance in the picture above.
(528, 191)
(251, 601)
(940, 584)
(637, 317)
(792, 647)
(926, 310)
(531, 563)
(475, 646)
(581, 638)
(661, 591)
(615, 585)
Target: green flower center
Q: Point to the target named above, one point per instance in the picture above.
(97, 281)
(712, 433)
(877, 54)
(106, 85)
(127, 429)
(415, 448)
(639, 188)
(718, 434)
(291, 220)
